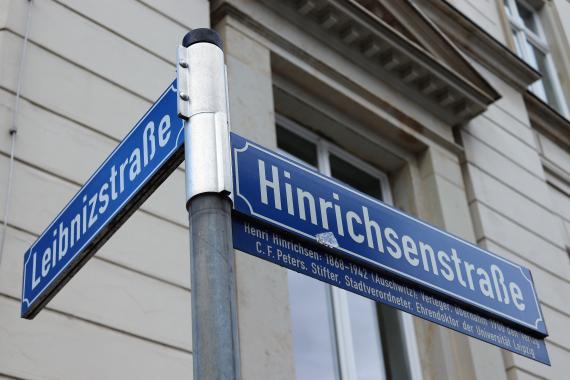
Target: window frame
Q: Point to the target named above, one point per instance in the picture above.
(522, 38)
(342, 334)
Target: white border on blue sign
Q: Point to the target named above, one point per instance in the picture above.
(377, 264)
(28, 302)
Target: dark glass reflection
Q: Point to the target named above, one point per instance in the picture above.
(297, 146)
(355, 177)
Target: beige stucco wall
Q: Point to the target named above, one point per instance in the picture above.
(562, 9)
(516, 216)
(556, 14)
(92, 69)
(484, 13)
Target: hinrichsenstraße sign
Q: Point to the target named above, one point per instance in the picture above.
(139, 164)
(365, 231)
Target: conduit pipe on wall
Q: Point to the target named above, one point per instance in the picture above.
(14, 130)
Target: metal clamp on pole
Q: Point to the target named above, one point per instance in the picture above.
(202, 104)
(202, 101)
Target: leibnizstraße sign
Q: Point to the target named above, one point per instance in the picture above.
(139, 164)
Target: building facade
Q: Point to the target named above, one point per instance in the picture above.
(455, 111)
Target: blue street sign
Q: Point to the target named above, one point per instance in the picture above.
(141, 162)
(268, 243)
(298, 200)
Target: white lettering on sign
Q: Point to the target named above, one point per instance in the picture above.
(362, 229)
(66, 237)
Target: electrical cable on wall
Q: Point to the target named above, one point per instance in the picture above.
(14, 131)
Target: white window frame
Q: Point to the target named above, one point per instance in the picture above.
(340, 308)
(521, 36)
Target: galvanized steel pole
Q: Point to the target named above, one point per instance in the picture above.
(202, 103)
(214, 327)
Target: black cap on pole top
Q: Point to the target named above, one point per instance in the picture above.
(202, 35)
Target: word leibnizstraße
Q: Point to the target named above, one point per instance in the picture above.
(152, 149)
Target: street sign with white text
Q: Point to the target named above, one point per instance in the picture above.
(294, 199)
(139, 164)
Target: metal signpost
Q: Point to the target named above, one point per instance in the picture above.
(293, 216)
(283, 212)
(194, 111)
(203, 104)
(141, 162)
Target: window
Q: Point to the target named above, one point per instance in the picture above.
(338, 335)
(531, 45)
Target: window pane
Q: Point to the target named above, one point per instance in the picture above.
(527, 16)
(297, 146)
(546, 81)
(366, 338)
(313, 343)
(531, 55)
(355, 177)
(364, 325)
(517, 42)
(313, 333)
(314, 330)
(393, 337)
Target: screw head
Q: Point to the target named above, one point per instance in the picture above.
(183, 64)
(184, 96)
